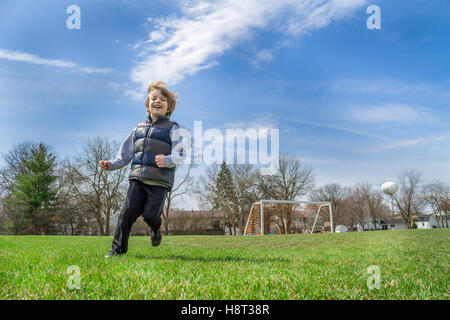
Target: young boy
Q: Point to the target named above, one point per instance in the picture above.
(149, 147)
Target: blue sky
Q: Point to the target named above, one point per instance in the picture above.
(357, 104)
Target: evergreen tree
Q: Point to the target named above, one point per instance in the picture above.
(33, 190)
(226, 199)
(15, 217)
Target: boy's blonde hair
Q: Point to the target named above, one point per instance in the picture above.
(171, 97)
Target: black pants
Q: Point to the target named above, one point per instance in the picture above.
(142, 199)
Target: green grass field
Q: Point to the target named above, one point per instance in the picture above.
(413, 265)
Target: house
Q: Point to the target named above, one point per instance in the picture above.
(368, 224)
(382, 224)
(429, 221)
(393, 224)
(303, 220)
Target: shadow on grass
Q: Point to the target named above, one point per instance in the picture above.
(212, 259)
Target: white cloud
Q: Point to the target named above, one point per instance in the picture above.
(410, 142)
(390, 112)
(339, 128)
(265, 122)
(31, 58)
(262, 56)
(320, 161)
(181, 46)
(390, 86)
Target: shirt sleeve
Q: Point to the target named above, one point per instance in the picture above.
(178, 154)
(124, 155)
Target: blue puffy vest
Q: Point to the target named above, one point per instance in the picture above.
(149, 140)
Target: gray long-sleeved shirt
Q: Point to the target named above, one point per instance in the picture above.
(126, 153)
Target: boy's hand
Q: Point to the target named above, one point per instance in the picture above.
(104, 164)
(159, 159)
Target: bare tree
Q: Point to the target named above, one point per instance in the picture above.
(293, 180)
(205, 188)
(408, 199)
(359, 203)
(437, 196)
(363, 203)
(244, 183)
(181, 187)
(102, 192)
(374, 202)
(244, 180)
(353, 210)
(334, 193)
(71, 217)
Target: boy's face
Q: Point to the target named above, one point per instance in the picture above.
(158, 104)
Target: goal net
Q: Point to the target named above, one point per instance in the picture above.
(286, 217)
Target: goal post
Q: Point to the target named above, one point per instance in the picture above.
(289, 216)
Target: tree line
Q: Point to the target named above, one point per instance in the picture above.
(40, 194)
(43, 195)
(233, 189)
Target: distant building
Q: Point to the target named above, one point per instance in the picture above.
(429, 221)
(302, 221)
(382, 224)
(368, 225)
(393, 224)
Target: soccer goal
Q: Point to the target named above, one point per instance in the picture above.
(286, 216)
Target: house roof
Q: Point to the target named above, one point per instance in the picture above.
(392, 221)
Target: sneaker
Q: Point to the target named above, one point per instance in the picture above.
(112, 253)
(155, 237)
